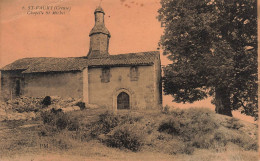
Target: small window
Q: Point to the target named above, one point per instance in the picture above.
(134, 73)
(105, 77)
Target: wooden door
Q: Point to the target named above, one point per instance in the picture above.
(123, 101)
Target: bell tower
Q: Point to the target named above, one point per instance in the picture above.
(99, 36)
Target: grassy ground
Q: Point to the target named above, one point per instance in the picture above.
(33, 140)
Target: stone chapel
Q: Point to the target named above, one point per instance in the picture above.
(124, 81)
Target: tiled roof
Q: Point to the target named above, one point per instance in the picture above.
(49, 64)
(46, 64)
(144, 58)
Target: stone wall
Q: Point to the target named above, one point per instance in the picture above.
(63, 84)
(158, 82)
(144, 89)
(8, 83)
(98, 45)
(142, 92)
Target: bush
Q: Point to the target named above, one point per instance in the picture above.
(47, 130)
(170, 126)
(46, 101)
(107, 121)
(130, 136)
(73, 124)
(194, 127)
(184, 148)
(61, 143)
(60, 120)
(166, 109)
(220, 138)
(191, 124)
(245, 142)
(81, 105)
(234, 123)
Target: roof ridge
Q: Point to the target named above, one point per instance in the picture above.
(140, 52)
(46, 57)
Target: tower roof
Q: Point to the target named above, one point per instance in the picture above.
(100, 27)
(99, 9)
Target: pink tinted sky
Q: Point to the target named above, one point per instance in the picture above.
(132, 24)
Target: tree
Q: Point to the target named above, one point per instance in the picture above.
(213, 48)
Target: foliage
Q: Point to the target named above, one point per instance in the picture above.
(198, 129)
(60, 120)
(177, 131)
(46, 101)
(118, 130)
(82, 105)
(130, 136)
(189, 125)
(107, 121)
(166, 109)
(234, 123)
(213, 49)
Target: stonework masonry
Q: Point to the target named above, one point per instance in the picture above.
(142, 92)
(63, 84)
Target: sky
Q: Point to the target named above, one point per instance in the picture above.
(132, 24)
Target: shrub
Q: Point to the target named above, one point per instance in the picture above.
(184, 148)
(234, 123)
(197, 128)
(244, 141)
(192, 123)
(130, 136)
(107, 121)
(59, 120)
(220, 138)
(73, 124)
(47, 130)
(46, 101)
(204, 142)
(81, 105)
(61, 143)
(170, 126)
(194, 127)
(166, 109)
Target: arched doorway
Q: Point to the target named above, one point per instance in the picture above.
(123, 101)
